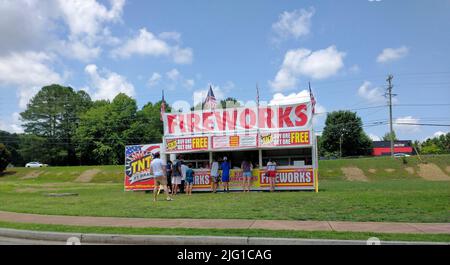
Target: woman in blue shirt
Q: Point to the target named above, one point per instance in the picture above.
(226, 174)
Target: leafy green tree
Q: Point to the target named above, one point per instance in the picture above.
(5, 157)
(148, 127)
(12, 142)
(344, 128)
(102, 132)
(53, 113)
(431, 148)
(436, 145)
(387, 136)
(230, 103)
(35, 148)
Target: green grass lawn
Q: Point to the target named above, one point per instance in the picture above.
(394, 200)
(388, 196)
(230, 232)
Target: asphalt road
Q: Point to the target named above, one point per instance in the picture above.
(18, 241)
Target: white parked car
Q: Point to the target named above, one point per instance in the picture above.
(401, 155)
(35, 164)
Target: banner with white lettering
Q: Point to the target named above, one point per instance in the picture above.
(239, 120)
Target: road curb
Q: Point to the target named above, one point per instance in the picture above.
(185, 240)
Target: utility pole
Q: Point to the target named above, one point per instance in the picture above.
(389, 93)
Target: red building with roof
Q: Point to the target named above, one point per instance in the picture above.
(382, 148)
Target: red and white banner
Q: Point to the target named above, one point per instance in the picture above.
(234, 141)
(239, 120)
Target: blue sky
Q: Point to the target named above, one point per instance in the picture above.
(345, 48)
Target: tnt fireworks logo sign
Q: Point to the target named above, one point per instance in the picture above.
(137, 166)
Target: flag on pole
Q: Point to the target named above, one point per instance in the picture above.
(163, 106)
(313, 100)
(210, 101)
(257, 96)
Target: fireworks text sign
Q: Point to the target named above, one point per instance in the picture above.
(235, 120)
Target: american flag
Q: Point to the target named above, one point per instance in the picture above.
(313, 100)
(163, 106)
(210, 101)
(257, 96)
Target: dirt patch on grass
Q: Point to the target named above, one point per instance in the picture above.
(432, 172)
(372, 170)
(390, 170)
(354, 174)
(447, 169)
(32, 175)
(410, 170)
(35, 189)
(88, 175)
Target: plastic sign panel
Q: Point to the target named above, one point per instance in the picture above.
(137, 166)
(293, 138)
(239, 120)
(286, 179)
(228, 142)
(186, 144)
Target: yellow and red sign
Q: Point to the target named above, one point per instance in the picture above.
(291, 138)
(186, 144)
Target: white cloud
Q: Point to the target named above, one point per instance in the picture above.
(110, 85)
(13, 125)
(173, 74)
(27, 71)
(392, 54)
(293, 24)
(407, 124)
(146, 43)
(374, 137)
(79, 50)
(189, 83)
(87, 16)
(154, 79)
(318, 64)
(300, 97)
(438, 133)
(172, 35)
(293, 98)
(372, 95)
(37, 25)
(182, 55)
(25, 25)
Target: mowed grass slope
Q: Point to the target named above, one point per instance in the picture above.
(395, 195)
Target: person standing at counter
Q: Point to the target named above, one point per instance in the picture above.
(271, 173)
(215, 177)
(158, 170)
(184, 168)
(247, 168)
(176, 175)
(226, 174)
(189, 179)
(169, 175)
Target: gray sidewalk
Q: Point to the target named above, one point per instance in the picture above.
(376, 227)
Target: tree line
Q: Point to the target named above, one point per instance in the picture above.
(66, 127)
